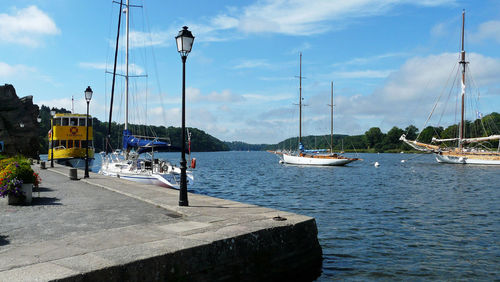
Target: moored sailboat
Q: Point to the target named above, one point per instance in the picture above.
(304, 157)
(463, 152)
(130, 163)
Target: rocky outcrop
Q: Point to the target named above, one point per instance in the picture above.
(19, 129)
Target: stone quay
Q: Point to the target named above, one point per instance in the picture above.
(110, 229)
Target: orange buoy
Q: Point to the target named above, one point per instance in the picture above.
(193, 163)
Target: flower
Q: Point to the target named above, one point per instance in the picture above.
(37, 179)
(12, 187)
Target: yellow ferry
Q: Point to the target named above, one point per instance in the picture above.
(70, 141)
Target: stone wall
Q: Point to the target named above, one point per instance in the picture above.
(286, 253)
(19, 129)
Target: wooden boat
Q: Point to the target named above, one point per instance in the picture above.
(463, 152)
(301, 156)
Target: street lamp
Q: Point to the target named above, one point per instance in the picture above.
(38, 120)
(88, 97)
(184, 41)
(52, 114)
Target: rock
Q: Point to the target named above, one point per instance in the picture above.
(19, 129)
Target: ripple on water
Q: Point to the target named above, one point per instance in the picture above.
(417, 220)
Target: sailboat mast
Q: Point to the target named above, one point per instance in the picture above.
(331, 123)
(463, 63)
(126, 63)
(300, 99)
(108, 137)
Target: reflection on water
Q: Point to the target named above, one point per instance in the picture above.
(413, 220)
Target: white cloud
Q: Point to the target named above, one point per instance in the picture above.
(9, 71)
(363, 74)
(372, 59)
(488, 30)
(410, 92)
(195, 95)
(306, 17)
(252, 64)
(133, 69)
(26, 26)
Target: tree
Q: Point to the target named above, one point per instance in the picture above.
(392, 137)
(411, 132)
(373, 137)
(429, 132)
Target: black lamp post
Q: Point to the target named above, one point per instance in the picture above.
(184, 41)
(38, 120)
(52, 114)
(88, 97)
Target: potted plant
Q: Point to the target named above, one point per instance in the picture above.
(12, 189)
(17, 179)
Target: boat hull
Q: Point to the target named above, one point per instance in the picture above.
(467, 159)
(167, 180)
(316, 161)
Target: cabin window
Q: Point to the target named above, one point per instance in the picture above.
(70, 143)
(81, 122)
(90, 121)
(65, 121)
(84, 143)
(56, 143)
(57, 121)
(63, 143)
(73, 121)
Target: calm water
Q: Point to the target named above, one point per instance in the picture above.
(417, 220)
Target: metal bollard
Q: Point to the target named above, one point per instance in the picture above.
(73, 174)
(42, 165)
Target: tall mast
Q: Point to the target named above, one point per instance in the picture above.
(108, 137)
(126, 63)
(331, 122)
(463, 63)
(300, 99)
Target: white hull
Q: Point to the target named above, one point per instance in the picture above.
(164, 175)
(464, 160)
(305, 160)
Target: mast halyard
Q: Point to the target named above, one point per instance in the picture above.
(463, 63)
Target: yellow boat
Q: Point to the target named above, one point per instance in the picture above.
(70, 140)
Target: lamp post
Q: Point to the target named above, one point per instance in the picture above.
(52, 114)
(88, 97)
(184, 41)
(38, 120)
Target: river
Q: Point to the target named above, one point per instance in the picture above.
(412, 220)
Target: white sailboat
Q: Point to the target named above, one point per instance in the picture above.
(303, 157)
(463, 152)
(128, 163)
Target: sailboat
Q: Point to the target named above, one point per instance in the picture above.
(461, 153)
(305, 157)
(129, 162)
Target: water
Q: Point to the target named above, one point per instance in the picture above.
(417, 220)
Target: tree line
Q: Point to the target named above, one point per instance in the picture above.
(374, 140)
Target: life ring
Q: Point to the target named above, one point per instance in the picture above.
(193, 163)
(73, 130)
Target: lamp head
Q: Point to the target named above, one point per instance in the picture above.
(184, 41)
(88, 94)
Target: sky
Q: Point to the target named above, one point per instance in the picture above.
(389, 61)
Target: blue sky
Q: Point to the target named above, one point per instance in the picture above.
(389, 60)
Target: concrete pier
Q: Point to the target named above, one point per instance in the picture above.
(109, 229)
